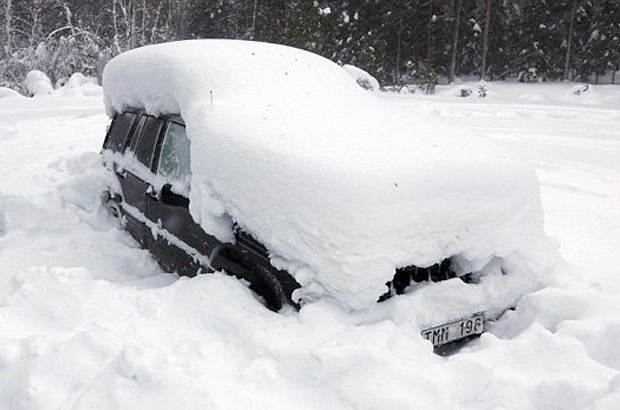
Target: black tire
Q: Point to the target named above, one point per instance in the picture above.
(111, 203)
(266, 285)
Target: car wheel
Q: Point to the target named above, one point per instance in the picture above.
(112, 204)
(265, 284)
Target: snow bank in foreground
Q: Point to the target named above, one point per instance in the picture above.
(38, 84)
(341, 187)
(70, 341)
(363, 78)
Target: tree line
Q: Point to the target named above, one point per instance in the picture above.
(398, 41)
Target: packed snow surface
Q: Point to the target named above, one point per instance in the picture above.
(342, 187)
(88, 320)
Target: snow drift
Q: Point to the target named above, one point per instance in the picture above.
(362, 77)
(79, 85)
(9, 93)
(341, 187)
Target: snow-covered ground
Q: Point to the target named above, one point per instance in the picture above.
(88, 321)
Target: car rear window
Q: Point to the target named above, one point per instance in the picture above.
(118, 131)
(146, 143)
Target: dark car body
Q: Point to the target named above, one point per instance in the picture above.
(159, 219)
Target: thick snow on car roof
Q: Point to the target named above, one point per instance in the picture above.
(340, 187)
(166, 77)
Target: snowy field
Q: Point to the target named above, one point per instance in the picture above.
(88, 321)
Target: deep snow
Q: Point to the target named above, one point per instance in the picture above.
(87, 320)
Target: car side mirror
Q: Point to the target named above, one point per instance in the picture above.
(167, 197)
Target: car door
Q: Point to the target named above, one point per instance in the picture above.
(121, 134)
(179, 238)
(135, 174)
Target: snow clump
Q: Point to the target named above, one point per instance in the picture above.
(38, 84)
(363, 78)
(80, 85)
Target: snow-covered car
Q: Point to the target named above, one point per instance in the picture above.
(273, 165)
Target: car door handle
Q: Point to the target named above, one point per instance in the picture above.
(152, 192)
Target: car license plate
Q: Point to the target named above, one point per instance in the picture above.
(450, 332)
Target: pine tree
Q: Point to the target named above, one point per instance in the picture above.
(454, 46)
(586, 39)
(542, 38)
(469, 55)
(610, 38)
(569, 38)
(485, 38)
(504, 40)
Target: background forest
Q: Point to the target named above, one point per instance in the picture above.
(398, 41)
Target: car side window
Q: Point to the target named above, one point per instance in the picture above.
(145, 144)
(121, 125)
(174, 159)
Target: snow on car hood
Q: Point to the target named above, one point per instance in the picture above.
(340, 187)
